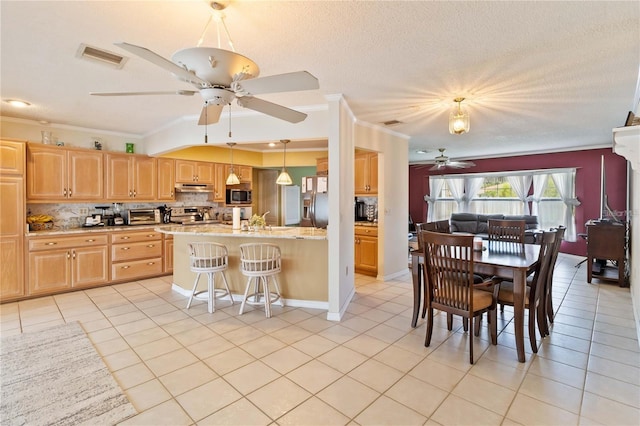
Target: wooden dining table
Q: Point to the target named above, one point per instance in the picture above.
(512, 265)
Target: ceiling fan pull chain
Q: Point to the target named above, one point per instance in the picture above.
(229, 120)
(206, 121)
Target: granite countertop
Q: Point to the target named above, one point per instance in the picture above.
(285, 232)
(90, 229)
(366, 223)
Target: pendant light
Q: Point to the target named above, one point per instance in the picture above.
(458, 119)
(232, 179)
(283, 177)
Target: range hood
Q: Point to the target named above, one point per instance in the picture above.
(194, 187)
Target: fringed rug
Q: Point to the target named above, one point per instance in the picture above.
(56, 377)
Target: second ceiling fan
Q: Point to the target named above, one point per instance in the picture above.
(443, 161)
(220, 76)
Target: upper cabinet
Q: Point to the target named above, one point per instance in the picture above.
(366, 174)
(219, 183)
(12, 158)
(322, 166)
(166, 179)
(61, 174)
(194, 171)
(130, 177)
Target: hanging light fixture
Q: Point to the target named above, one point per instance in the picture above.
(232, 179)
(283, 177)
(458, 119)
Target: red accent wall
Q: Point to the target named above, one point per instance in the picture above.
(587, 183)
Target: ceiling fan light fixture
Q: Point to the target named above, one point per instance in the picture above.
(283, 177)
(459, 119)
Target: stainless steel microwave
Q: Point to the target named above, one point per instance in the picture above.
(238, 196)
(143, 216)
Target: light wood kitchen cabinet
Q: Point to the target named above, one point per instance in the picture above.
(136, 254)
(366, 174)
(60, 174)
(244, 173)
(12, 225)
(167, 266)
(166, 179)
(63, 263)
(194, 171)
(322, 166)
(366, 250)
(130, 177)
(219, 183)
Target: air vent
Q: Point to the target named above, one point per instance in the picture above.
(391, 122)
(100, 55)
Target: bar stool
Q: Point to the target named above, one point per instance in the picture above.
(259, 262)
(211, 259)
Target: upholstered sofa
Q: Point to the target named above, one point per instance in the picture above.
(478, 224)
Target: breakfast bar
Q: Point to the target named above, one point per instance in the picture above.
(303, 280)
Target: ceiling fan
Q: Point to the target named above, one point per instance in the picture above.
(220, 76)
(443, 161)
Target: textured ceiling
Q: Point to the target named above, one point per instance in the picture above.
(538, 76)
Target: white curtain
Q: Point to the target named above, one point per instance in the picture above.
(539, 185)
(566, 185)
(435, 187)
(473, 185)
(456, 186)
(521, 184)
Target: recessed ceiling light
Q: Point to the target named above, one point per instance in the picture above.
(422, 151)
(272, 144)
(17, 103)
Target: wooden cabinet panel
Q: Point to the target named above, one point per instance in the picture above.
(166, 179)
(49, 271)
(140, 250)
(85, 175)
(134, 269)
(61, 263)
(12, 220)
(366, 174)
(219, 183)
(135, 236)
(167, 266)
(12, 161)
(59, 174)
(130, 177)
(366, 250)
(194, 171)
(322, 166)
(244, 173)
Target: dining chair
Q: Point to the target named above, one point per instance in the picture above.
(450, 288)
(548, 295)
(443, 226)
(534, 300)
(506, 231)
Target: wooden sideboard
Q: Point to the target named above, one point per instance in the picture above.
(607, 242)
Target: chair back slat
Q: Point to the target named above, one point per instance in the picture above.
(544, 262)
(506, 231)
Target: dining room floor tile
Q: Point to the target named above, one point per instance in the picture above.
(187, 366)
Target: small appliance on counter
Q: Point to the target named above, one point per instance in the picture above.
(191, 216)
(143, 217)
(360, 211)
(238, 196)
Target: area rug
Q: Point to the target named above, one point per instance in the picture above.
(56, 377)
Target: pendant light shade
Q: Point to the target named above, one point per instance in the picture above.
(232, 179)
(283, 177)
(458, 119)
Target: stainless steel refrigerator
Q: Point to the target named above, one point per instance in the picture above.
(315, 201)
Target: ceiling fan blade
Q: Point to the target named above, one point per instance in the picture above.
(175, 92)
(460, 164)
(269, 108)
(210, 114)
(438, 166)
(158, 60)
(289, 82)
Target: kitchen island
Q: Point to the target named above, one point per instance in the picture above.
(303, 280)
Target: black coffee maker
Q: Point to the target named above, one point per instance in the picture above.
(360, 211)
(165, 213)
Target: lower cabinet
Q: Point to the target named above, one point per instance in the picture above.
(167, 267)
(63, 263)
(366, 250)
(136, 254)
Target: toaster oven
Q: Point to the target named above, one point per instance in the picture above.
(143, 217)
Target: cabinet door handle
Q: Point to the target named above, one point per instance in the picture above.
(126, 267)
(151, 263)
(151, 245)
(89, 240)
(134, 193)
(68, 255)
(151, 235)
(70, 193)
(50, 244)
(124, 238)
(125, 248)
(129, 193)
(64, 192)
(74, 254)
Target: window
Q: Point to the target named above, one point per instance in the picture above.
(496, 196)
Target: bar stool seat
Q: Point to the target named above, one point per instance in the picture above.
(211, 259)
(259, 262)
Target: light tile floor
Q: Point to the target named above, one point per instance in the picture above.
(190, 367)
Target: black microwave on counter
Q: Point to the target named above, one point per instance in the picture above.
(238, 196)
